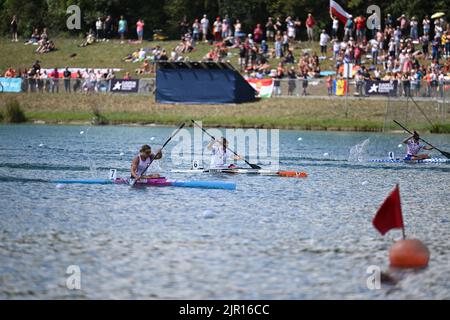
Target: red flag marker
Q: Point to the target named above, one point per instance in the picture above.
(389, 216)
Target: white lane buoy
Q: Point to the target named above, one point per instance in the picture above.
(122, 154)
(81, 132)
(207, 214)
(59, 186)
(41, 145)
(364, 183)
(152, 138)
(300, 139)
(400, 146)
(326, 154)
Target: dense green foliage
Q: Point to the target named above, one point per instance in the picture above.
(166, 14)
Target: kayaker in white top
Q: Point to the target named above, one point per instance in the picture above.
(220, 155)
(140, 163)
(413, 147)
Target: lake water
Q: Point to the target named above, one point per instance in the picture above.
(272, 238)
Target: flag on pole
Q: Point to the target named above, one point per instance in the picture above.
(338, 12)
(389, 216)
(340, 87)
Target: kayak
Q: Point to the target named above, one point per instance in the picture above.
(263, 172)
(431, 160)
(159, 182)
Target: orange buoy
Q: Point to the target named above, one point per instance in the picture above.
(409, 253)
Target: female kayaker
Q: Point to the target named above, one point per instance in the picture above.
(141, 162)
(413, 147)
(220, 154)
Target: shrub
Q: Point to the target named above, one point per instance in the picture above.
(13, 113)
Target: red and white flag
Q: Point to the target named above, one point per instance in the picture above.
(389, 216)
(338, 12)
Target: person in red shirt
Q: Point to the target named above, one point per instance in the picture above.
(310, 23)
(360, 23)
(258, 33)
(10, 73)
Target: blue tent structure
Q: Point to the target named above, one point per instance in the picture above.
(201, 83)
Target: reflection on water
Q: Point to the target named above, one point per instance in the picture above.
(273, 238)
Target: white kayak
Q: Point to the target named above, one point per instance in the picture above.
(249, 171)
(431, 160)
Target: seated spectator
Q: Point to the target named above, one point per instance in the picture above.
(146, 69)
(89, 40)
(10, 73)
(34, 39)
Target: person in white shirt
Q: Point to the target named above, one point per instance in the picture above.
(220, 154)
(335, 27)
(99, 28)
(374, 50)
(205, 27)
(324, 38)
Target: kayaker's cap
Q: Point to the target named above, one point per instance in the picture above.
(146, 149)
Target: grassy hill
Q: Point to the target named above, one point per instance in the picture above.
(296, 113)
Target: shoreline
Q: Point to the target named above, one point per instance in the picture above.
(311, 114)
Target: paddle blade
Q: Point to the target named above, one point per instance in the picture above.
(445, 154)
(254, 166)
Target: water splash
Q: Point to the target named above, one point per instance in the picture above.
(358, 151)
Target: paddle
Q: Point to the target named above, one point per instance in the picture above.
(253, 166)
(133, 182)
(444, 153)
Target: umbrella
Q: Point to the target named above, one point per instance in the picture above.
(437, 15)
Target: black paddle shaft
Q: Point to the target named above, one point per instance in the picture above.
(163, 146)
(446, 154)
(253, 166)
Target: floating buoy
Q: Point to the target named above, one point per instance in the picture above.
(409, 253)
(81, 132)
(41, 145)
(207, 214)
(152, 138)
(326, 154)
(364, 183)
(60, 186)
(122, 154)
(300, 139)
(400, 145)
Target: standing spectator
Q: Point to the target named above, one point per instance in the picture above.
(258, 34)
(108, 26)
(205, 27)
(334, 27)
(360, 23)
(435, 48)
(426, 23)
(278, 26)
(242, 57)
(278, 47)
(374, 50)
(196, 30)
(292, 76)
(54, 81)
(388, 21)
(290, 28)
(277, 81)
(77, 84)
(310, 23)
(330, 85)
(15, 37)
(270, 30)
(238, 30)
(304, 83)
(140, 30)
(324, 38)
(425, 45)
(217, 29)
(348, 29)
(285, 43)
(297, 25)
(414, 29)
(99, 29)
(226, 27)
(67, 75)
(403, 21)
(123, 27)
(184, 26)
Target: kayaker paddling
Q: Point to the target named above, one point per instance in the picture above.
(413, 148)
(141, 162)
(220, 154)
